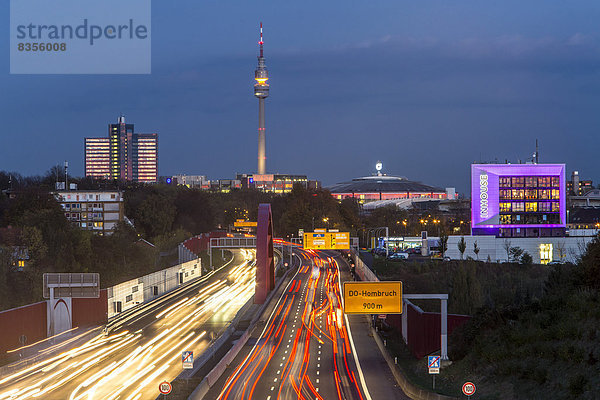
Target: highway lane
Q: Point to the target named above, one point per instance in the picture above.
(142, 349)
(305, 350)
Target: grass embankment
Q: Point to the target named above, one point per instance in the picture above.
(535, 332)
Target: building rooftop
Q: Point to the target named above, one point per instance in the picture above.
(382, 183)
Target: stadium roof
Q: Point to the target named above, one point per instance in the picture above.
(383, 184)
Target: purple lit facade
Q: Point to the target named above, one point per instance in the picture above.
(518, 200)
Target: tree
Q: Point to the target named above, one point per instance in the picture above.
(443, 242)
(507, 246)
(155, 215)
(561, 248)
(515, 254)
(526, 258)
(476, 249)
(462, 246)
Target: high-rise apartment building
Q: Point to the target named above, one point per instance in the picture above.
(124, 154)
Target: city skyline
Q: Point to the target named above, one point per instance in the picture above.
(479, 83)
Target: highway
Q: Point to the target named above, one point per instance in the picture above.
(306, 349)
(144, 347)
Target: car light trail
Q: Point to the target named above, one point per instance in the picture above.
(129, 365)
(308, 319)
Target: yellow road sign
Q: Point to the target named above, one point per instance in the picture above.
(326, 240)
(245, 224)
(340, 240)
(373, 297)
(317, 240)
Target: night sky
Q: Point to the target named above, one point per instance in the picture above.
(425, 87)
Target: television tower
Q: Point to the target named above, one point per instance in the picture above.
(261, 91)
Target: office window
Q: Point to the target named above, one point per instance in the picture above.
(518, 194)
(556, 181)
(505, 194)
(518, 181)
(531, 181)
(504, 181)
(531, 206)
(545, 194)
(531, 194)
(545, 253)
(544, 181)
(555, 194)
(544, 206)
(555, 206)
(518, 206)
(505, 219)
(505, 207)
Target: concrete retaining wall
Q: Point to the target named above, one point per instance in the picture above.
(412, 391)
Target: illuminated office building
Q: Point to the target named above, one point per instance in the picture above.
(518, 200)
(97, 157)
(124, 155)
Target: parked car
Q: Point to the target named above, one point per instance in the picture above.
(398, 256)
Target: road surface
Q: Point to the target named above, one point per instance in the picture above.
(143, 349)
(306, 350)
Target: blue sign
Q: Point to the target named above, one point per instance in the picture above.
(187, 358)
(433, 363)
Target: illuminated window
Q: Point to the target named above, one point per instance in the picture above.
(21, 263)
(518, 194)
(531, 194)
(555, 181)
(555, 206)
(518, 206)
(545, 253)
(504, 181)
(545, 194)
(505, 219)
(544, 181)
(505, 207)
(531, 181)
(555, 194)
(531, 207)
(544, 206)
(518, 181)
(505, 194)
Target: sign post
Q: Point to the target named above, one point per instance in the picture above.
(469, 389)
(433, 363)
(373, 297)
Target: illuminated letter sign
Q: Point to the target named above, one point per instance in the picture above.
(483, 195)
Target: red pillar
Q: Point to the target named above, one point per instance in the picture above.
(265, 263)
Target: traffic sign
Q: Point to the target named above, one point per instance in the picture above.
(433, 363)
(373, 297)
(326, 240)
(469, 389)
(187, 358)
(165, 387)
(240, 223)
